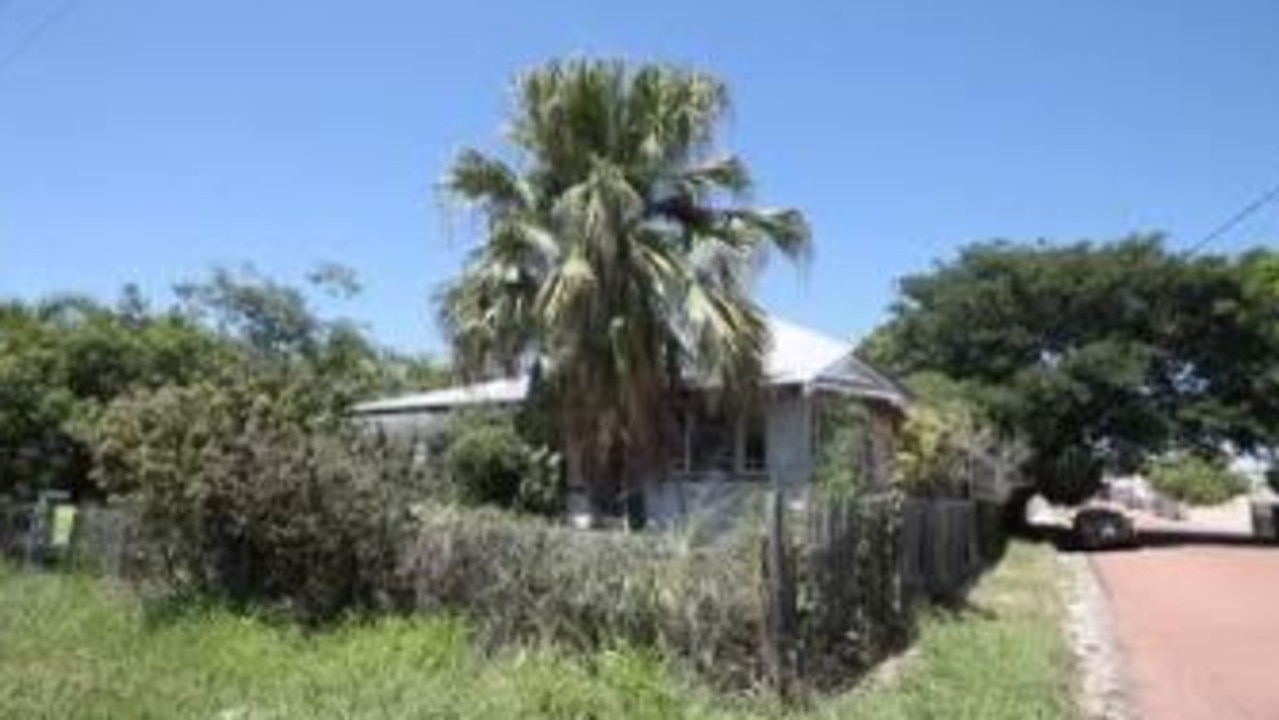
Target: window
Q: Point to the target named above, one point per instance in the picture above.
(708, 440)
(711, 442)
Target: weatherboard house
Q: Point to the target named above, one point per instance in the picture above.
(720, 460)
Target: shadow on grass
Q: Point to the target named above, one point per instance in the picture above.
(164, 607)
(961, 609)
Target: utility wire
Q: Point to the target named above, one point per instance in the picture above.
(36, 32)
(1262, 200)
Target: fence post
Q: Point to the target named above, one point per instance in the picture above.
(778, 644)
(39, 539)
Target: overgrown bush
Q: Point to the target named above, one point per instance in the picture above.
(949, 448)
(1196, 480)
(249, 495)
(523, 579)
(489, 463)
(842, 447)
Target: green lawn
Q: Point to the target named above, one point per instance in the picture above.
(1006, 657)
(77, 648)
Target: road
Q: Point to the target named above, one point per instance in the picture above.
(1198, 627)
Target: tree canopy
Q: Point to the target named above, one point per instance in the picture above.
(1099, 354)
(65, 359)
(616, 255)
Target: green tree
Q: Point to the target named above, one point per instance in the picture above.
(63, 358)
(1099, 355)
(276, 331)
(947, 442)
(615, 255)
(1195, 480)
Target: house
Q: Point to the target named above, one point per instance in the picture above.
(721, 461)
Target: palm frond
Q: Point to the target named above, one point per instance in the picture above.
(619, 251)
(476, 178)
(785, 229)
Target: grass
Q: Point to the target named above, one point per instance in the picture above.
(1005, 656)
(74, 647)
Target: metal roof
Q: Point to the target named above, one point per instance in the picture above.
(493, 392)
(796, 356)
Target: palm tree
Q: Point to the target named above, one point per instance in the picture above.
(616, 260)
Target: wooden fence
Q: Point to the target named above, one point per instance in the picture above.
(941, 548)
(843, 578)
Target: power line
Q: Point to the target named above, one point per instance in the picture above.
(1262, 200)
(36, 32)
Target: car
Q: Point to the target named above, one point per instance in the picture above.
(1099, 527)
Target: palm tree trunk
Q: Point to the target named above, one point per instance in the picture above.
(606, 481)
(579, 501)
(633, 493)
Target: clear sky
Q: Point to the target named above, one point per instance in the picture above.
(147, 140)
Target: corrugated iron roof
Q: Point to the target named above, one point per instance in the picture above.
(796, 356)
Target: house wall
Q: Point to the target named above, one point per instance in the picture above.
(410, 426)
(713, 501)
(790, 436)
(716, 499)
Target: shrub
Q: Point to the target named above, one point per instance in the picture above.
(490, 463)
(487, 465)
(521, 579)
(250, 496)
(842, 447)
(1196, 480)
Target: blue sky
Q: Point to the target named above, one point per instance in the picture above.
(147, 141)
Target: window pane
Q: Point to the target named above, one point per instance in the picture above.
(712, 442)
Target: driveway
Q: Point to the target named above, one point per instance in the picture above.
(1198, 625)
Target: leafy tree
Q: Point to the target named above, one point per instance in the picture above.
(277, 332)
(64, 358)
(61, 359)
(947, 441)
(615, 257)
(1098, 354)
(1195, 480)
